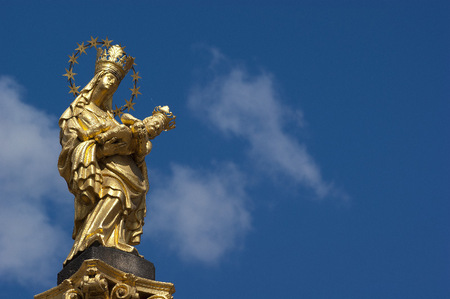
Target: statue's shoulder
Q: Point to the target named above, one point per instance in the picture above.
(75, 108)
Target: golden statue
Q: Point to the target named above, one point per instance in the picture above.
(103, 160)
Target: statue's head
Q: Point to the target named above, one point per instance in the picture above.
(161, 120)
(155, 125)
(111, 66)
(113, 61)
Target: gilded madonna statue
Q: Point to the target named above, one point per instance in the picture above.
(103, 160)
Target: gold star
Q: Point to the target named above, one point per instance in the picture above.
(93, 42)
(106, 42)
(81, 48)
(117, 112)
(73, 59)
(69, 74)
(136, 76)
(135, 91)
(129, 104)
(74, 90)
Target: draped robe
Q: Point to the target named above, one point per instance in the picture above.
(109, 191)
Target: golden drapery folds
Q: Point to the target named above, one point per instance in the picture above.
(103, 163)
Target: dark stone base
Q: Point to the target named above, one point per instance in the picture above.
(124, 261)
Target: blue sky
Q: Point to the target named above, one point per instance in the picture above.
(310, 158)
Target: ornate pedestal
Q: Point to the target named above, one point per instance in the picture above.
(96, 279)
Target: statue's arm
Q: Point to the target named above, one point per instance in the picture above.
(109, 139)
(141, 144)
(89, 128)
(116, 141)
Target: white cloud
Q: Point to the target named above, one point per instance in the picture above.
(29, 181)
(249, 107)
(200, 214)
(30, 245)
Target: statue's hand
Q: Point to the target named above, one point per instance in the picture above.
(113, 146)
(115, 141)
(93, 132)
(101, 138)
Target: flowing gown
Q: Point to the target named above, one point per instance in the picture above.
(109, 191)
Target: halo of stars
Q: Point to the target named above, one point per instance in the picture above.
(105, 43)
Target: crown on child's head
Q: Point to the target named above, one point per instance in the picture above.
(166, 115)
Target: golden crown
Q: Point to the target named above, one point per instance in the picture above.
(114, 60)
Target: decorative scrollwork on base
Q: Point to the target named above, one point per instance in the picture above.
(94, 283)
(73, 294)
(123, 291)
(97, 280)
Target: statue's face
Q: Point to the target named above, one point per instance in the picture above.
(108, 82)
(157, 126)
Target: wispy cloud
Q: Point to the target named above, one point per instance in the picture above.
(248, 106)
(29, 181)
(200, 214)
